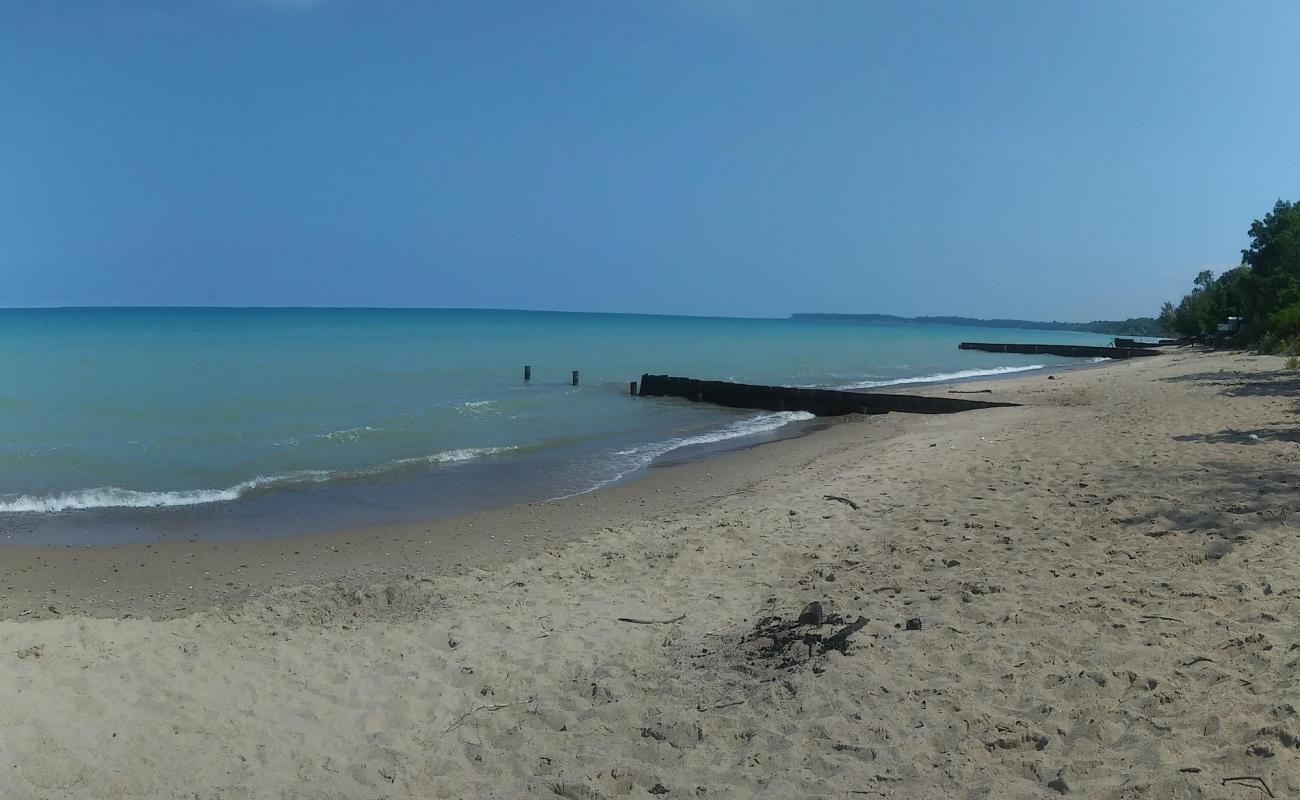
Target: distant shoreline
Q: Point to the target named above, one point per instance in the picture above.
(1142, 327)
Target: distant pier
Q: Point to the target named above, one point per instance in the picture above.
(1069, 350)
(822, 402)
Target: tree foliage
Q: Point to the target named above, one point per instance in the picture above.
(1264, 290)
(1275, 242)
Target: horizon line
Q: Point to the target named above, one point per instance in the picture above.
(789, 316)
(372, 308)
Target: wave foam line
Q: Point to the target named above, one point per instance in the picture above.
(476, 406)
(455, 456)
(945, 376)
(114, 497)
(642, 456)
(350, 434)
(745, 427)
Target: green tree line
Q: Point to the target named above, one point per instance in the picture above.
(1264, 290)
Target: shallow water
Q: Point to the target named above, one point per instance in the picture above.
(396, 413)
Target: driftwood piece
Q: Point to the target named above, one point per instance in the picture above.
(494, 707)
(839, 499)
(701, 707)
(1251, 781)
(841, 636)
(652, 621)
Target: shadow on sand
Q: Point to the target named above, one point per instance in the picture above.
(1237, 501)
(1253, 436)
(1258, 383)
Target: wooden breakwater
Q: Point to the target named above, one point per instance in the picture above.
(822, 402)
(1069, 350)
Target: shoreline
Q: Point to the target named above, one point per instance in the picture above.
(170, 577)
(369, 497)
(297, 509)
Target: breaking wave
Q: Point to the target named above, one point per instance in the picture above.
(635, 458)
(114, 497)
(945, 376)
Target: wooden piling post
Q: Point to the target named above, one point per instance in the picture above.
(575, 377)
(528, 373)
(631, 388)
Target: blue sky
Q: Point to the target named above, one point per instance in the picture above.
(1024, 159)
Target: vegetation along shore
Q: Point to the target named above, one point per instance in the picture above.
(1264, 291)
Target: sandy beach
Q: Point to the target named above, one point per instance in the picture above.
(1090, 595)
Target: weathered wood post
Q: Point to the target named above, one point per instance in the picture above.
(528, 373)
(575, 377)
(631, 388)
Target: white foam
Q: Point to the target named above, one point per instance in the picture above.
(635, 458)
(453, 456)
(350, 434)
(475, 406)
(945, 376)
(114, 497)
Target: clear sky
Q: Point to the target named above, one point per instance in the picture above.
(1027, 159)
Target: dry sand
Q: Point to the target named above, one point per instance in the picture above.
(1105, 582)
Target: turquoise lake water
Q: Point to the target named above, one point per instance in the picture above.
(395, 413)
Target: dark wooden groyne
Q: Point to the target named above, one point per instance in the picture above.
(1069, 350)
(822, 402)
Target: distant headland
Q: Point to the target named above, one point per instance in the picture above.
(1135, 326)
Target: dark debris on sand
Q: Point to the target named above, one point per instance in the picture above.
(787, 643)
